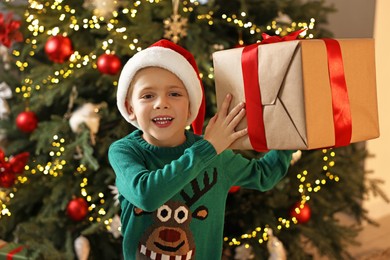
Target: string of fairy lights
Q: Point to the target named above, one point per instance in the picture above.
(70, 19)
(305, 188)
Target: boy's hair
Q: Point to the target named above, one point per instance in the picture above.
(170, 56)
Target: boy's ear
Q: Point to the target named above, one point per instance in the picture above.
(189, 112)
(130, 111)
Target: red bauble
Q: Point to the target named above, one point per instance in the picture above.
(58, 48)
(27, 121)
(109, 64)
(301, 214)
(77, 209)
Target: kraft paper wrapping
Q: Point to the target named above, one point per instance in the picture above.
(296, 93)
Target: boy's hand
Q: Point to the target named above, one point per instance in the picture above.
(220, 131)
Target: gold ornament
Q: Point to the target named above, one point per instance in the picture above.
(175, 26)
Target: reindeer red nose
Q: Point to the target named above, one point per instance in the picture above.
(169, 235)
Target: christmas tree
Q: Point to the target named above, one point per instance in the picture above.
(61, 62)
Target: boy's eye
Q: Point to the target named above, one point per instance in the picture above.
(146, 96)
(175, 94)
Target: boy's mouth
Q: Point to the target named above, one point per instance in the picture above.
(162, 120)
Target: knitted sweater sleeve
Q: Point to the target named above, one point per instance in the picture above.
(149, 189)
(260, 174)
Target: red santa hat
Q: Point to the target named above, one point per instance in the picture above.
(170, 56)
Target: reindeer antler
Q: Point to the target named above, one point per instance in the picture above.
(196, 189)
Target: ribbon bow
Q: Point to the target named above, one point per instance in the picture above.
(276, 38)
(9, 30)
(10, 168)
(15, 163)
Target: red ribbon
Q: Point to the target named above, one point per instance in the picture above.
(254, 108)
(11, 254)
(340, 102)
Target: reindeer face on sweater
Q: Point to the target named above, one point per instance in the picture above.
(170, 234)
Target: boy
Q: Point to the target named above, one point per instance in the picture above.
(173, 184)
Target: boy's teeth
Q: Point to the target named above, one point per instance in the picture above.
(162, 119)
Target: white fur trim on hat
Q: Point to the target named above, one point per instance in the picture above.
(165, 58)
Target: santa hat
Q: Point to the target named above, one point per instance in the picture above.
(167, 55)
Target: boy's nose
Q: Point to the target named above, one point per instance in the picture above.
(161, 103)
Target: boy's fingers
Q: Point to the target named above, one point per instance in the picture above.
(235, 112)
(238, 117)
(226, 104)
(241, 133)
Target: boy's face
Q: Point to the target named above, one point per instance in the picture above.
(159, 102)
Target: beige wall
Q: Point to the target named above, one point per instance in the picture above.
(380, 148)
(353, 18)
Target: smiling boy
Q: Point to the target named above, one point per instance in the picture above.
(173, 183)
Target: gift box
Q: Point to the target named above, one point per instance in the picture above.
(14, 251)
(301, 94)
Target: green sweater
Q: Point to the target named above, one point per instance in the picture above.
(173, 199)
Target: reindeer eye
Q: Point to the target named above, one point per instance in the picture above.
(181, 214)
(164, 213)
